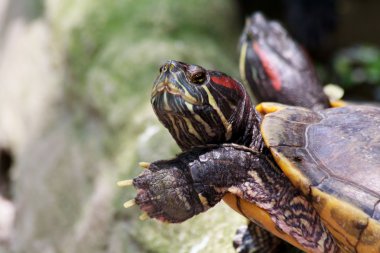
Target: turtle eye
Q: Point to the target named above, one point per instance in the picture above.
(198, 77)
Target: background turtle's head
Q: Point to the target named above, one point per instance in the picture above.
(266, 50)
(276, 68)
(200, 106)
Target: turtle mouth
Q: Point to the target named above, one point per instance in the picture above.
(167, 87)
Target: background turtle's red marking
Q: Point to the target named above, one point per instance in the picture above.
(226, 82)
(275, 80)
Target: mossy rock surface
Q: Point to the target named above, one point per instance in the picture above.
(98, 124)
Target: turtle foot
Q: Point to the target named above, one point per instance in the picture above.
(165, 192)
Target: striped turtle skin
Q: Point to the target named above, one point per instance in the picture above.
(216, 106)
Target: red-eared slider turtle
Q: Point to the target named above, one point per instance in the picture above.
(276, 68)
(309, 177)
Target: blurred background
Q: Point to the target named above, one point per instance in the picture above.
(75, 80)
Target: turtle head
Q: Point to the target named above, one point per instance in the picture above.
(200, 106)
(266, 50)
(276, 68)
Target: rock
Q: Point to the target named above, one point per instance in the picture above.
(7, 215)
(74, 110)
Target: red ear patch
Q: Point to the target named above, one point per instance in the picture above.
(273, 76)
(225, 81)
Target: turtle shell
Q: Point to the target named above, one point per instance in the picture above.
(333, 157)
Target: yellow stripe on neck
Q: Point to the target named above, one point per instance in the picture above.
(225, 122)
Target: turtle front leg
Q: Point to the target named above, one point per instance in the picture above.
(176, 190)
(166, 191)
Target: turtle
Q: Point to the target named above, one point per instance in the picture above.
(309, 177)
(276, 67)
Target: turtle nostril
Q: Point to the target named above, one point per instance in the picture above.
(170, 66)
(173, 66)
(164, 68)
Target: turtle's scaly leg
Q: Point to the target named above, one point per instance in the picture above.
(177, 189)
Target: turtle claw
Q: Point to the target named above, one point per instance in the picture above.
(129, 203)
(125, 183)
(144, 216)
(144, 165)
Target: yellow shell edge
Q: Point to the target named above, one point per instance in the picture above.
(269, 107)
(259, 216)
